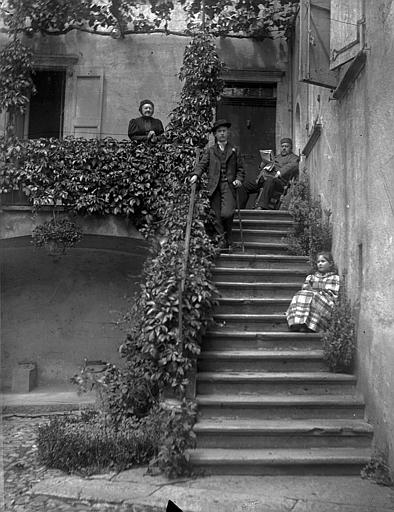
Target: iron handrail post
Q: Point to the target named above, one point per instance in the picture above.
(186, 256)
(240, 221)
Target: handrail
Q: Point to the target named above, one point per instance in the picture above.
(181, 286)
(240, 221)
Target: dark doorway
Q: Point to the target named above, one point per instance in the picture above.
(46, 106)
(251, 109)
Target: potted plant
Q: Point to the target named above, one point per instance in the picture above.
(57, 235)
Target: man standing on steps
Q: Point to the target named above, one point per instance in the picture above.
(225, 169)
(285, 168)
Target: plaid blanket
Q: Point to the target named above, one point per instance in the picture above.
(313, 304)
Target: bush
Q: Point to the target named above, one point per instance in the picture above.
(339, 338)
(90, 444)
(177, 422)
(312, 232)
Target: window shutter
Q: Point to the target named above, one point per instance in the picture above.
(346, 31)
(314, 57)
(88, 102)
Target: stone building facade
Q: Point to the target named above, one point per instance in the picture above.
(345, 126)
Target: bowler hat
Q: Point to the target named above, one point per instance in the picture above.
(286, 140)
(220, 122)
(145, 102)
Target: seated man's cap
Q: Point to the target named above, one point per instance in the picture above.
(286, 140)
(146, 102)
(220, 122)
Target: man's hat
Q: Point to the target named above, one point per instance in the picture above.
(220, 122)
(286, 140)
(146, 102)
(171, 507)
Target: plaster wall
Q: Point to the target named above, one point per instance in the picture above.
(56, 313)
(351, 168)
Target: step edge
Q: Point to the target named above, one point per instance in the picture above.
(262, 354)
(276, 376)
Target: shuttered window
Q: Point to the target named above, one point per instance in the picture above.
(346, 31)
(314, 56)
(87, 102)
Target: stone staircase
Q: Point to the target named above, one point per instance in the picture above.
(267, 403)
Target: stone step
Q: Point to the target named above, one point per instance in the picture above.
(264, 224)
(246, 322)
(237, 340)
(274, 434)
(264, 214)
(288, 383)
(258, 290)
(260, 235)
(258, 275)
(272, 407)
(245, 260)
(261, 360)
(312, 461)
(252, 306)
(259, 248)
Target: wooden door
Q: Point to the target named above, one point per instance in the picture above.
(252, 127)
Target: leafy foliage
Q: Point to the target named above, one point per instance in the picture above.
(242, 18)
(63, 232)
(191, 120)
(252, 18)
(94, 176)
(339, 340)
(176, 422)
(312, 231)
(15, 76)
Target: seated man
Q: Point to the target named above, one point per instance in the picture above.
(146, 127)
(286, 168)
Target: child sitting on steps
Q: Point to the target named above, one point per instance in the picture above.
(311, 307)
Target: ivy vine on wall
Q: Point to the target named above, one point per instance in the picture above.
(150, 184)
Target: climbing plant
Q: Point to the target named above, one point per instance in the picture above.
(148, 183)
(311, 230)
(191, 120)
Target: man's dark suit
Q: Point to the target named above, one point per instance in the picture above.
(140, 127)
(287, 165)
(223, 168)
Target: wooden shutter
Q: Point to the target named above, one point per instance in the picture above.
(87, 103)
(346, 31)
(314, 57)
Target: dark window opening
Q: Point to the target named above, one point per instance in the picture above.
(47, 105)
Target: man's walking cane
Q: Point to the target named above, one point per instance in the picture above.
(240, 221)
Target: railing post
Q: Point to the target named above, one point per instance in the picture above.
(240, 221)
(181, 285)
